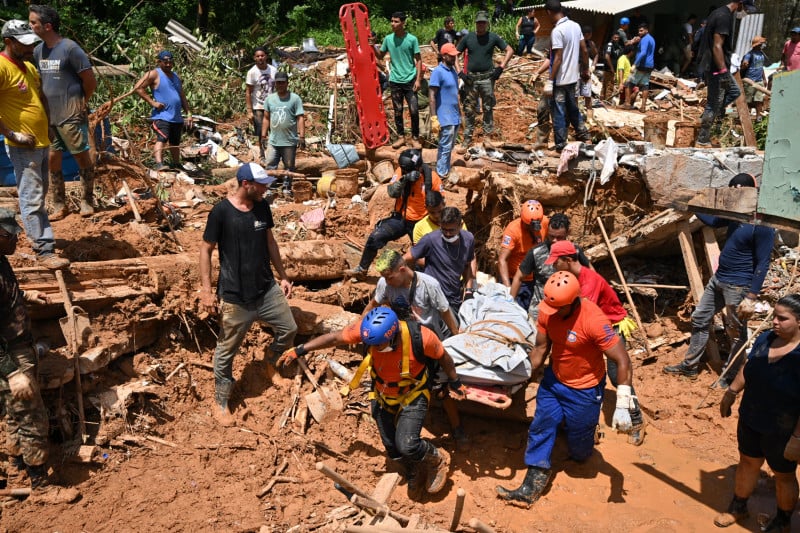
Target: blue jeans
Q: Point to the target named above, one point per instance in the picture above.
(556, 402)
(447, 140)
(235, 321)
(386, 230)
(566, 112)
(716, 296)
(525, 42)
(400, 433)
(31, 171)
(717, 101)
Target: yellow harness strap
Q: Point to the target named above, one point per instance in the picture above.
(410, 386)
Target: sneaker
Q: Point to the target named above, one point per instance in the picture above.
(736, 511)
(356, 272)
(682, 369)
(416, 144)
(399, 143)
(52, 261)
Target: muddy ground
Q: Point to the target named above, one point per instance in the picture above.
(198, 476)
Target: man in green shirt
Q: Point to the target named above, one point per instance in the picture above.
(405, 74)
(481, 74)
(284, 124)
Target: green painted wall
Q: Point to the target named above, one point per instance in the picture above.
(780, 188)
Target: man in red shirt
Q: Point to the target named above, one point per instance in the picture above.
(564, 257)
(400, 387)
(577, 334)
(790, 55)
(411, 182)
(519, 236)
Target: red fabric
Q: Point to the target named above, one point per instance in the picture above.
(388, 364)
(594, 287)
(791, 54)
(519, 241)
(578, 344)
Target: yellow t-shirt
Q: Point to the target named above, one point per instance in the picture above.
(425, 226)
(623, 69)
(21, 106)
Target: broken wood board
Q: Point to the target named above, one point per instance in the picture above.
(726, 201)
(649, 235)
(93, 286)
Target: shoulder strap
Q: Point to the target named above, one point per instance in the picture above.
(427, 176)
(417, 348)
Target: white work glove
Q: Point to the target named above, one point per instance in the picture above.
(22, 138)
(21, 386)
(622, 416)
(548, 88)
(746, 309)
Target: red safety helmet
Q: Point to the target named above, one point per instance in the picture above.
(530, 211)
(559, 290)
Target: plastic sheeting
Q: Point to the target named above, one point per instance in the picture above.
(493, 349)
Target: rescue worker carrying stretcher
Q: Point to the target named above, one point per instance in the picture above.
(397, 356)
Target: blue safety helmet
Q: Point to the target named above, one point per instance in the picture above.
(379, 326)
(624, 20)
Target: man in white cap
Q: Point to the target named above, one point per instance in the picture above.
(23, 122)
(242, 227)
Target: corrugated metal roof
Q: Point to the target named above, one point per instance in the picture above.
(608, 7)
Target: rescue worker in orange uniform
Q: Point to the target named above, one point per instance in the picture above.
(519, 236)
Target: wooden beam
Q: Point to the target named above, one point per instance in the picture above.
(744, 114)
(695, 279)
(726, 201)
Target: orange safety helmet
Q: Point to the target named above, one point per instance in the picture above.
(560, 289)
(530, 211)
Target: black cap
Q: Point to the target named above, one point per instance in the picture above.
(742, 180)
(281, 76)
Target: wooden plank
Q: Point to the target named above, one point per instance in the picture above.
(695, 280)
(385, 487)
(711, 247)
(744, 114)
(726, 200)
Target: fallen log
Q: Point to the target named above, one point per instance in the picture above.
(313, 260)
(553, 192)
(317, 318)
(474, 179)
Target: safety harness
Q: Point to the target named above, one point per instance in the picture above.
(409, 387)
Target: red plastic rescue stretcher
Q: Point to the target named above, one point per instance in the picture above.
(354, 19)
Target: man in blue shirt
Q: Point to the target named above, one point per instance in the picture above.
(445, 105)
(743, 265)
(753, 69)
(644, 66)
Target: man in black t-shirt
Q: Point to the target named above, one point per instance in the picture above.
(443, 36)
(715, 60)
(241, 225)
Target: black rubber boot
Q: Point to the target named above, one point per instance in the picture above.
(415, 478)
(222, 413)
(532, 487)
(780, 523)
(58, 196)
(37, 475)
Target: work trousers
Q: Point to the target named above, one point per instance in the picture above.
(579, 409)
(716, 295)
(717, 100)
(525, 44)
(31, 172)
(386, 230)
(235, 321)
(405, 92)
(400, 433)
(475, 90)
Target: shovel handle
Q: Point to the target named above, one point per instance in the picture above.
(307, 372)
(62, 286)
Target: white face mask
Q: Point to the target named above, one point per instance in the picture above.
(741, 14)
(450, 240)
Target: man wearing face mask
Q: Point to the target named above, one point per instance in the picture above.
(449, 254)
(519, 236)
(411, 183)
(714, 63)
(397, 355)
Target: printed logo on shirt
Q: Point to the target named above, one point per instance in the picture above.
(22, 86)
(259, 225)
(506, 240)
(49, 65)
(608, 332)
(572, 336)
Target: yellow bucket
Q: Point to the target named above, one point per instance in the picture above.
(327, 183)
